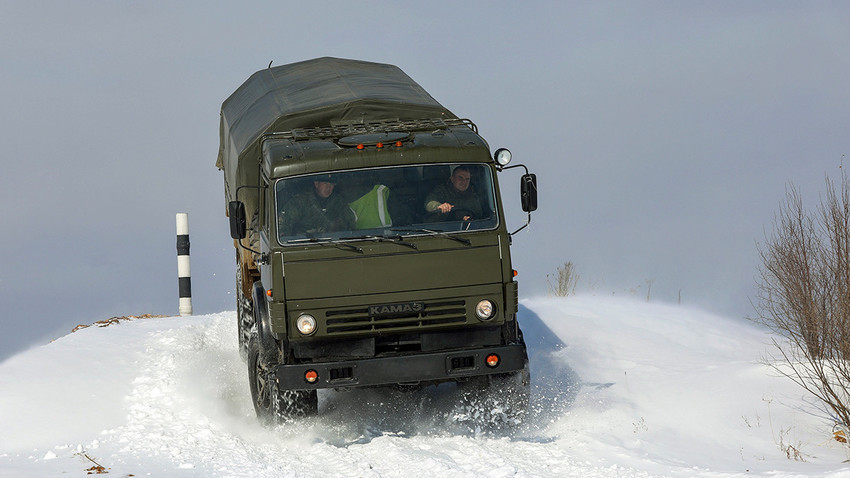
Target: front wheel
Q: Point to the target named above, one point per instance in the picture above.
(494, 403)
(271, 404)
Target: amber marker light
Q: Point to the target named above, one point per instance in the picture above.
(515, 273)
(311, 376)
(379, 145)
(360, 146)
(269, 292)
(398, 144)
(492, 360)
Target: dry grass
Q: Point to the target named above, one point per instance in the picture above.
(117, 320)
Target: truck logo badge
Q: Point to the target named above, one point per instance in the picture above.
(391, 309)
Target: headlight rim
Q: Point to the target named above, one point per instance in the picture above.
(502, 157)
(306, 318)
(480, 310)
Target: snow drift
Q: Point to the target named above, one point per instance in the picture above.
(620, 388)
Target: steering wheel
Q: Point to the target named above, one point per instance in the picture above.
(457, 214)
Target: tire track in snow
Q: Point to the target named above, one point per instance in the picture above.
(189, 406)
(190, 409)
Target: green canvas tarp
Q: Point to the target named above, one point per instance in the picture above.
(313, 93)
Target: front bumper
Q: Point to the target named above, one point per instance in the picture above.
(427, 367)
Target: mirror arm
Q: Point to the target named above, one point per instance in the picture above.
(502, 168)
(527, 222)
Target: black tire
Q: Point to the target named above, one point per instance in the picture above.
(259, 379)
(244, 314)
(494, 403)
(274, 406)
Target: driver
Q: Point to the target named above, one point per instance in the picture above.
(456, 199)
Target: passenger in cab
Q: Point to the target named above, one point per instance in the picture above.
(371, 209)
(317, 210)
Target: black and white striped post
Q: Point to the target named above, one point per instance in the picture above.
(184, 270)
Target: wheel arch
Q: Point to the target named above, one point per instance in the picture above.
(269, 348)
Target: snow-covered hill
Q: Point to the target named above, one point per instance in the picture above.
(621, 388)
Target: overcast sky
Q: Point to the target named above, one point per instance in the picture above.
(663, 135)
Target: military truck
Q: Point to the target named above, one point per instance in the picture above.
(374, 283)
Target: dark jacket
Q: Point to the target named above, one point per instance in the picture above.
(307, 213)
(465, 203)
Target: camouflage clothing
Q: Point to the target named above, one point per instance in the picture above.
(308, 213)
(465, 203)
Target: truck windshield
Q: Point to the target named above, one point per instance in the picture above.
(390, 201)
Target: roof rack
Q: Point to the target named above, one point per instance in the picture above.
(386, 126)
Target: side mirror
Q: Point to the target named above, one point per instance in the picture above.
(238, 224)
(528, 192)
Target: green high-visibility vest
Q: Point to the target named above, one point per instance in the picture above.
(370, 210)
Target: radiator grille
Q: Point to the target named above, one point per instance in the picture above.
(358, 320)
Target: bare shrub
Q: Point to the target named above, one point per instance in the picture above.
(804, 295)
(565, 281)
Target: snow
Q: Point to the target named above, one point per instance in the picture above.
(620, 388)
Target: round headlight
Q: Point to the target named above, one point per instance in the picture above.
(502, 156)
(306, 324)
(485, 310)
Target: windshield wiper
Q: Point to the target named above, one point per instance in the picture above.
(393, 239)
(324, 241)
(462, 240)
